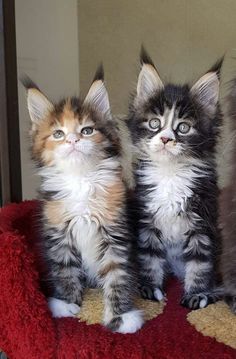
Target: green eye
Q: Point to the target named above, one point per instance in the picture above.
(184, 127)
(155, 123)
(58, 134)
(87, 131)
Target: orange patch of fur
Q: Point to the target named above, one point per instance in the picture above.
(108, 268)
(114, 200)
(54, 211)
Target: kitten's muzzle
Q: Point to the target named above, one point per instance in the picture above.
(72, 139)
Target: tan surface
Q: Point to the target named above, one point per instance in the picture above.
(216, 321)
(92, 307)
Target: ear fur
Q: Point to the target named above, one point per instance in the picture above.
(38, 104)
(206, 89)
(97, 96)
(149, 80)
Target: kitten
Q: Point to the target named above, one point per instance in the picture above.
(228, 212)
(86, 239)
(174, 131)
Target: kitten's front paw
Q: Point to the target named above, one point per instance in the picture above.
(60, 308)
(197, 301)
(147, 292)
(231, 301)
(128, 322)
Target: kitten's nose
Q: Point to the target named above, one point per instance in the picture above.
(72, 138)
(165, 139)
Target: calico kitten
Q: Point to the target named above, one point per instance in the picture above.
(86, 239)
(174, 131)
(228, 212)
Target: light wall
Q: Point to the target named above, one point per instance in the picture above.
(47, 50)
(183, 37)
(57, 45)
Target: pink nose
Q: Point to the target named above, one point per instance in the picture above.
(165, 139)
(72, 139)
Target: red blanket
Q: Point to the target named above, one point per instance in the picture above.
(27, 330)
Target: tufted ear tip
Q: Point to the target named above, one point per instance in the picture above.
(99, 74)
(27, 82)
(97, 96)
(144, 57)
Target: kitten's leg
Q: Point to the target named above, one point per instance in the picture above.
(199, 272)
(152, 262)
(66, 277)
(119, 283)
(231, 301)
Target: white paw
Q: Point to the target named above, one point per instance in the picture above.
(203, 303)
(158, 294)
(60, 308)
(131, 322)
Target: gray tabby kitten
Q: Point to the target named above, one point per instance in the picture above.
(174, 131)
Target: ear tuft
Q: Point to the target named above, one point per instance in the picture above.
(206, 91)
(97, 96)
(99, 75)
(144, 57)
(27, 82)
(149, 80)
(38, 104)
(217, 67)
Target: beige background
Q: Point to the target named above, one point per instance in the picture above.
(184, 38)
(48, 51)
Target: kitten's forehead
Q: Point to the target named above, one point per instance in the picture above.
(172, 96)
(171, 117)
(71, 117)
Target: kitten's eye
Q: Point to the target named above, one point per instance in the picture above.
(58, 134)
(155, 123)
(87, 131)
(183, 127)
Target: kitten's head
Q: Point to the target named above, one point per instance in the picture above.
(168, 121)
(72, 132)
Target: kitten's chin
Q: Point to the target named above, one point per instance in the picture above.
(163, 154)
(74, 154)
(167, 151)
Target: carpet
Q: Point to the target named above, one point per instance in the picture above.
(28, 331)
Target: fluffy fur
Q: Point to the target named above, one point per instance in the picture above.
(174, 131)
(228, 211)
(86, 239)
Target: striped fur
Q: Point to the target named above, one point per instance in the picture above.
(176, 185)
(86, 238)
(228, 208)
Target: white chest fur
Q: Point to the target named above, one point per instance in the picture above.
(171, 184)
(83, 198)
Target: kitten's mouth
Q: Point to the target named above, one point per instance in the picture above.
(73, 151)
(165, 151)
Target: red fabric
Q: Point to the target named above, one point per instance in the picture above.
(28, 331)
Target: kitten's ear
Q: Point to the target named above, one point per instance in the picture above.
(206, 89)
(38, 104)
(97, 96)
(149, 80)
